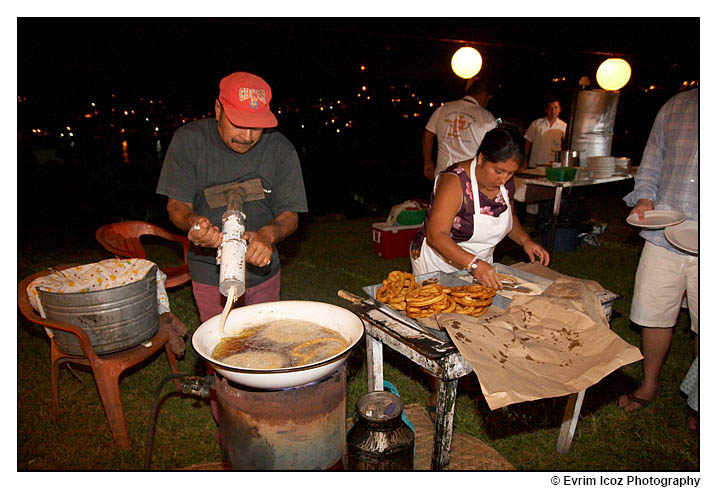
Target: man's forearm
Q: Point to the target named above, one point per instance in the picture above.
(283, 225)
(181, 214)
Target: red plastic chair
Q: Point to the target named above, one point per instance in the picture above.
(123, 240)
(106, 369)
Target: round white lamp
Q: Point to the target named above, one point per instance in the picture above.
(613, 74)
(466, 62)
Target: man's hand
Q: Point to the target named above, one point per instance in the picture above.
(204, 234)
(200, 230)
(429, 170)
(641, 207)
(259, 247)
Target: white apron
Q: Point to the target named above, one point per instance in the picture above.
(488, 232)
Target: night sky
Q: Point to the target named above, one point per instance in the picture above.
(185, 57)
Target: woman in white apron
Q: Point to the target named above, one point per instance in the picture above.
(458, 233)
(470, 212)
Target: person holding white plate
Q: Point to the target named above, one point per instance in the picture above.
(667, 179)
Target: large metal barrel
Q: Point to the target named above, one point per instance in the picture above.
(301, 428)
(115, 319)
(592, 125)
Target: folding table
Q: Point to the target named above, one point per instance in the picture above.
(442, 360)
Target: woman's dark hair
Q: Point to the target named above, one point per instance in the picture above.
(503, 143)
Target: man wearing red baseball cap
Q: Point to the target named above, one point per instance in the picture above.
(237, 146)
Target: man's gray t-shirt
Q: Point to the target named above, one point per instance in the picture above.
(197, 159)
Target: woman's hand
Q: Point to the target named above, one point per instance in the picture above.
(536, 251)
(204, 234)
(487, 275)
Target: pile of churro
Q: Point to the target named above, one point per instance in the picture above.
(401, 292)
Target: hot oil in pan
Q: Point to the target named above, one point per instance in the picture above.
(279, 344)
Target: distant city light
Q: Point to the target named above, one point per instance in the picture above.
(362, 68)
(363, 88)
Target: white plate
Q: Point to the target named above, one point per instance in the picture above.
(683, 236)
(657, 218)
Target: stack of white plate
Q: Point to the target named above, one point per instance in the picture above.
(601, 167)
(623, 165)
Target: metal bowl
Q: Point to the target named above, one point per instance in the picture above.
(335, 318)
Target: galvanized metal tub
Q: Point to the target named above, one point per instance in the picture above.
(115, 319)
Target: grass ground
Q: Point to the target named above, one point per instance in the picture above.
(321, 258)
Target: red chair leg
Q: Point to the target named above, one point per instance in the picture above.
(55, 389)
(109, 389)
(55, 364)
(172, 360)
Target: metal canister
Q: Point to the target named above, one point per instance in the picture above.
(567, 158)
(593, 122)
(380, 439)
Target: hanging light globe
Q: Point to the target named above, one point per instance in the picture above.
(613, 74)
(466, 62)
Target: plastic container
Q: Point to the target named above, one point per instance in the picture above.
(392, 241)
(566, 240)
(411, 217)
(561, 174)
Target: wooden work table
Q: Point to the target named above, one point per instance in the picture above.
(435, 353)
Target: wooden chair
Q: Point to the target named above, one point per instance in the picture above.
(106, 369)
(123, 240)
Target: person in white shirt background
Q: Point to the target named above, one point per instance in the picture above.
(544, 135)
(459, 127)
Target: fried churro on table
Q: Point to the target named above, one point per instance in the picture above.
(401, 292)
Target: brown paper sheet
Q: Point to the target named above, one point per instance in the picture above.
(540, 346)
(544, 271)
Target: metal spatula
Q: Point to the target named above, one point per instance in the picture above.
(512, 286)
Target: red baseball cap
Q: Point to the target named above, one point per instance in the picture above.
(245, 98)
